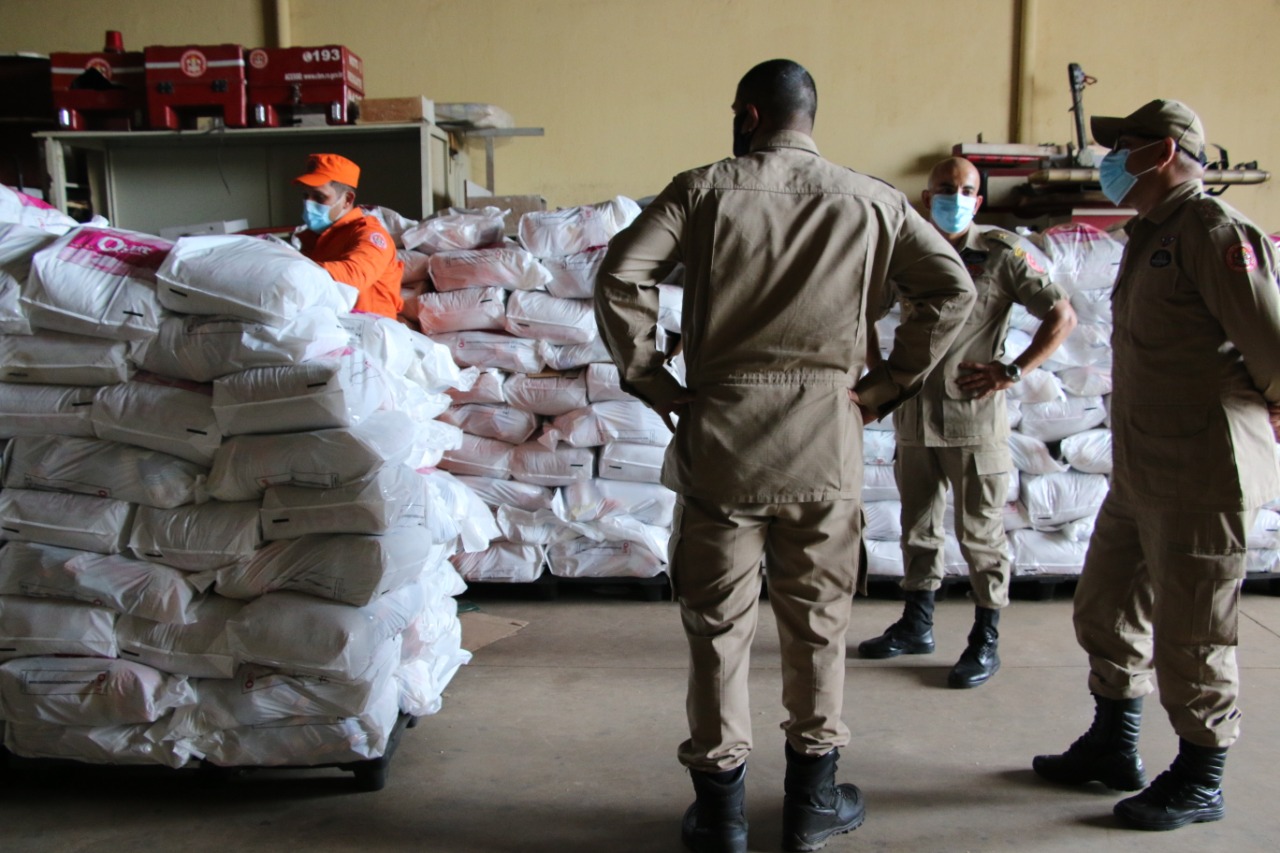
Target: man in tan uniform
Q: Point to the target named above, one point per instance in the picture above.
(780, 248)
(1196, 363)
(956, 430)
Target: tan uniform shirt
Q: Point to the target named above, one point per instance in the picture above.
(780, 250)
(943, 414)
(1196, 358)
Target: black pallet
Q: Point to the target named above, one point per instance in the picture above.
(368, 775)
(549, 587)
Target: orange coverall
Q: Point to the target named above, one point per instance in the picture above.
(357, 250)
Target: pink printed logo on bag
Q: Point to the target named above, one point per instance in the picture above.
(115, 252)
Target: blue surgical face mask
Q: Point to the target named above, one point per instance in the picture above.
(1115, 178)
(953, 212)
(315, 215)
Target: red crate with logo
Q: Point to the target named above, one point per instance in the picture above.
(194, 80)
(99, 91)
(292, 80)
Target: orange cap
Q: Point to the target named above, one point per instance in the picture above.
(323, 168)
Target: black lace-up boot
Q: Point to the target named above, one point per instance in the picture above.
(1106, 753)
(716, 822)
(910, 635)
(815, 807)
(980, 659)
(1190, 791)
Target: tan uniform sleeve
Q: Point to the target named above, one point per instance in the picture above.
(1237, 272)
(1029, 287)
(626, 296)
(937, 295)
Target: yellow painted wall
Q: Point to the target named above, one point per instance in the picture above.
(633, 91)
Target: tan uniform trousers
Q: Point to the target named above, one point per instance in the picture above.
(979, 477)
(1160, 592)
(810, 552)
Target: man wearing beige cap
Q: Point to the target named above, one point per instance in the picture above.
(354, 248)
(1196, 367)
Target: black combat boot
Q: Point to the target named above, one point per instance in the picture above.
(910, 635)
(980, 660)
(1106, 753)
(716, 822)
(1190, 791)
(815, 807)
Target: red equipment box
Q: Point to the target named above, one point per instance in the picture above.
(328, 79)
(193, 80)
(115, 98)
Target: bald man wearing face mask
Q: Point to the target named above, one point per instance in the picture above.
(956, 431)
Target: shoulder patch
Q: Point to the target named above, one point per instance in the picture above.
(1241, 258)
(378, 240)
(1211, 212)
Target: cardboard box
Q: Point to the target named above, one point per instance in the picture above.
(397, 110)
(517, 204)
(200, 229)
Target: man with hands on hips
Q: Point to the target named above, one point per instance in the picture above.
(956, 430)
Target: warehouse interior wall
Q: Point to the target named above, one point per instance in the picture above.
(631, 92)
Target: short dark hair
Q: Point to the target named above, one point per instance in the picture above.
(780, 89)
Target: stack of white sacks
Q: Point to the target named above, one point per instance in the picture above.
(223, 537)
(569, 462)
(1060, 439)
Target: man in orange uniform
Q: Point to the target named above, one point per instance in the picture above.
(353, 248)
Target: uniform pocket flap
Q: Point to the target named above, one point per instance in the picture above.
(992, 461)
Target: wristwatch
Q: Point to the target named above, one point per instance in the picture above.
(1012, 372)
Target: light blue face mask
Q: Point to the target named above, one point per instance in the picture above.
(953, 212)
(315, 215)
(1115, 178)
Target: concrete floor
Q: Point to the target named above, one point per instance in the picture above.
(562, 738)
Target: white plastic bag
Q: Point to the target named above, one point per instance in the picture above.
(106, 469)
(640, 463)
(31, 626)
(45, 410)
(1037, 386)
(555, 234)
(422, 682)
(454, 505)
(196, 538)
(1054, 421)
(883, 521)
(125, 585)
(473, 309)
(1038, 553)
(479, 457)
(56, 358)
(99, 282)
(549, 318)
(82, 522)
(337, 390)
(879, 484)
(18, 243)
(601, 423)
(502, 562)
(236, 275)
(130, 745)
(546, 395)
(1089, 451)
(493, 349)
(392, 220)
(534, 463)
(591, 500)
(308, 635)
(246, 465)
(574, 276)
(884, 558)
(504, 423)
(878, 447)
(605, 383)
(20, 208)
(1032, 456)
(170, 419)
(198, 649)
(1081, 257)
(1086, 345)
(88, 692)
(585, 558)
(1055, 499)
(497, 493)
(347, 568)
(487, 388)
(507, 267)
(203, 348)
(573, 355)
(389, 497)
(457, 230)
(670, 307)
